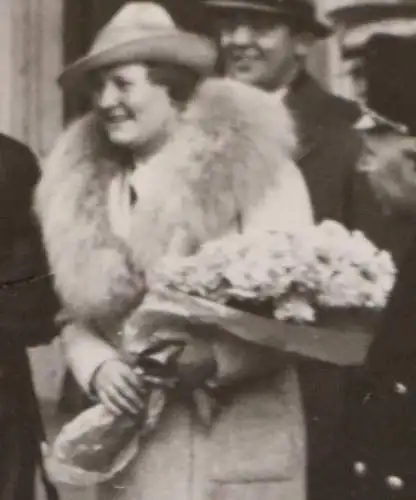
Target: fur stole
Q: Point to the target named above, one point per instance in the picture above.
(228, 165)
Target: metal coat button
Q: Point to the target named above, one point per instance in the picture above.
(395, 482)
(360, 468)
(400, 388)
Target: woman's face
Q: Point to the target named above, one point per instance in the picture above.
(133, 111)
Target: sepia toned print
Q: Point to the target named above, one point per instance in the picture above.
(207, 249)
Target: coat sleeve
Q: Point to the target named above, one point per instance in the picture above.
(85, 352)
(27, 300)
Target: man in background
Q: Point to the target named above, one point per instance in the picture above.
(383, 91)
(378, 43)
(27, 308)
(266, 43)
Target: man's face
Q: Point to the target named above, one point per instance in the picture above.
(133, 111)
(258, 47)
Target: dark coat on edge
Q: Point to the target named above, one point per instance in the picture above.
(27, 307)
(328, 157)
(381, 424)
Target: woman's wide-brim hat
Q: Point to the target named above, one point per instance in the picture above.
(302, 12)
(143, 32)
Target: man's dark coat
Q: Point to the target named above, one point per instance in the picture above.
(380, 443)
(27, 307)
(328, 155)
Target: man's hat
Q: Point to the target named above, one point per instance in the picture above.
(143, 32)
(390, 75)
(301, 11)
(372, 10)
(358, 23)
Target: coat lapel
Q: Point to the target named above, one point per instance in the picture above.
(304, 100)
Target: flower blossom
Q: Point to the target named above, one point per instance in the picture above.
(324, 266)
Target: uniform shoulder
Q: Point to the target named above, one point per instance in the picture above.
(343, 108)
(335, 116)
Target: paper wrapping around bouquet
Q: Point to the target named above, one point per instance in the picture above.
(345, 343)
(92, 448)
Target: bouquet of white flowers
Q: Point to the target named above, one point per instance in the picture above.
(294, 276)
(315, 293)
(247, 289)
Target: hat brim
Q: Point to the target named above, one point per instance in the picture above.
(320, 30)
(184, 49)
(354, 14)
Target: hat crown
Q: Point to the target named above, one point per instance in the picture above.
(302, 7)
(303, 11)
(295, 6)
(132, 22)
(350, 3)
(352, 13)
(141, 32)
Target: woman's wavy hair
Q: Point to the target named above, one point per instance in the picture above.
(180, 81)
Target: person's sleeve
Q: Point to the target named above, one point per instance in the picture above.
(85, 352)
(27, 300)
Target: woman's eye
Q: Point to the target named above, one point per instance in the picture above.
(122, 83)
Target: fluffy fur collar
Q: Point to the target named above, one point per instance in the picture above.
(227, 163)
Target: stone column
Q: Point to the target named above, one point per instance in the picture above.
(6, 63)
(31, 110)
(30, 59)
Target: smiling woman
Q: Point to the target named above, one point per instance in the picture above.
(134, 112)
(204, 159)
(138, 103)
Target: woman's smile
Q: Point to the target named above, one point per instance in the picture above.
(133, 110)
(117, 117)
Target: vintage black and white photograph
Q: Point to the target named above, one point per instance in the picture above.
(208, 250)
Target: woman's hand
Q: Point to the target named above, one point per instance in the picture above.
(119, 388)
(196, 363)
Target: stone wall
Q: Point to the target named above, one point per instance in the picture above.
(30, 59)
